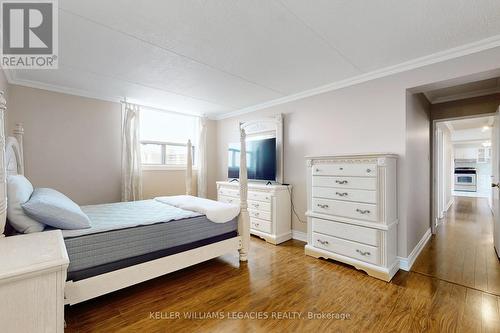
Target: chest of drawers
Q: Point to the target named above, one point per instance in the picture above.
(268, 206)
(352, 211)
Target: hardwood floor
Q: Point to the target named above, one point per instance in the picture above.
(281, 280)
(462, 250)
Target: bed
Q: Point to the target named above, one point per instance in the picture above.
(132, 242)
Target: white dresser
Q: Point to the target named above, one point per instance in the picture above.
(268, 206)
(32, 277)
(352, 211)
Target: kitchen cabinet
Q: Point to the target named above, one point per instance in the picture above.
(466, 153)
(483, 155)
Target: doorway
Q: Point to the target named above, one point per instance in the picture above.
(463, 127)
(462, 161)
(462, 249)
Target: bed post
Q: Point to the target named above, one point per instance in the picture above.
(18, 134)
(244, 218)
(3, 171)
(189, 167)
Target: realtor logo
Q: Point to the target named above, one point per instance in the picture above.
(29, 34)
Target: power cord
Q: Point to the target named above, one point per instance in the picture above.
(293, 206)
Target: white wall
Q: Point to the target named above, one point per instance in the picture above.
(3, 82)
(443, 169)
(333, 123)
(212, 162)
(72, 144)
(449, 168)
(368, 117)
(157, 183)
(418, 168)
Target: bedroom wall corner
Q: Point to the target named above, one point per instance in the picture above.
(417, 180)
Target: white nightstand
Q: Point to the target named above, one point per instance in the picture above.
(32, 277)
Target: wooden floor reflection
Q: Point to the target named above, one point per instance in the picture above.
(462, 251)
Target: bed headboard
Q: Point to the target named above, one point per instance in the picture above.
(11, 159)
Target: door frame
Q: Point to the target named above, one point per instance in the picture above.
(494, 204)
(435, 177)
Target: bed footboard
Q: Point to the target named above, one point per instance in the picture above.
(82, 290)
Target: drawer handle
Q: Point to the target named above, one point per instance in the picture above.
(363, 211)
(256, 213)
(341, 168)
(256, 205)
(230, 200)
(322, 205)
(323, 242)
(317, 170)
(256, 224)
(368, 170)
(341, 194)
(363, 253)
(341, 181)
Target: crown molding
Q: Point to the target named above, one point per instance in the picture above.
(457, 52)
(11, 79)
(465, 95)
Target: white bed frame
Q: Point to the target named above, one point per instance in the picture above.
(11, 162)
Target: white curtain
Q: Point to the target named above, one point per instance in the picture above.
(202, 158)
(131, 154)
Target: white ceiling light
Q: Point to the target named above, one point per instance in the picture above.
(485, 128)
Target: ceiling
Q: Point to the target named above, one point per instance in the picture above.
(216, 57)
(470, 123)
(470, 130)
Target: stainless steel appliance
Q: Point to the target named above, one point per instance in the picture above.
(465, 179)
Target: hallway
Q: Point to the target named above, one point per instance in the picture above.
(462, 250)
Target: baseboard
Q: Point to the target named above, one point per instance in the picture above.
(406, 263)
(443, 214)
(449, 204)
(299, 235)
(283, 238)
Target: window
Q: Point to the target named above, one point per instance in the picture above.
(164, 138)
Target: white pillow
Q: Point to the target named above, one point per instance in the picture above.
(19, 191)
(53, 208)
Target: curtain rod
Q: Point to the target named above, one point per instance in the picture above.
(163, 110)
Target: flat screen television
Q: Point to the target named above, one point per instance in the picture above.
(261, 159)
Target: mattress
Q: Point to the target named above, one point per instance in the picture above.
(122, 215)
(118, 239)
